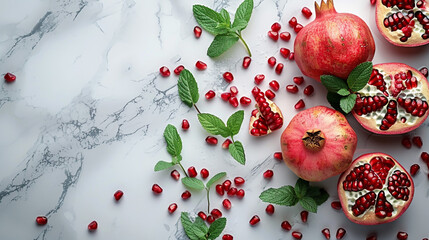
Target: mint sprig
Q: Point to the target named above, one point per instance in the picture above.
(342, 94)
(307, 196)
(219, 24)
(198, 229)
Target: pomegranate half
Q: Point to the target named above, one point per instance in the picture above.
(267, 116)
(333, 44)
(394, 101)
(375, 189)
(318, 143)
(403, 22)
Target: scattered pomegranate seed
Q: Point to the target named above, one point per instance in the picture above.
(292, 88)
(417, 141)
(424, 71)
(298, 28)
(211, 140)
(276, 27)
(279, 68)
(268, 174)
(202, 215)
(254, 220)
(9, 77)
(201, 65)
(210, 219)
(246, 62)
(293, 22)
(228, 77)
(414, 169)
(326, 233)
(304, 216)
(284, 52)
(336, 205)
(204, 173)
(373, 2)
(216, 213)
(425, 239)
(156, 189)
(232, 192)
(239, 181)
(406, 142)
(274, 85)
(372, 237)
(225, 96)
(165, 72)
(286, 225)
(233, 101)
(245, 101)
(226, 185)
(192, 172)
(175, 175)
(273, 35)
(269, 209)
(172, 208)
(272, 61)
(118, 195)
(300, 104)
(41, 220)
(296, 235)
(219, 190)
(210, 94)
(340, 233)
(240, 193)
(285, 36)
(298, 80)
(186, 194)
(227, 237)
(291, 56)
(92, 226)
(278, 155)
(197, 31)
(178, 69)
(270, 94)
(306, 12)
(226, 204)
(308, 90)
(425, 157)
(185, 124)
(227, 142)
(234, 91)
(402, 235)
(259, 78)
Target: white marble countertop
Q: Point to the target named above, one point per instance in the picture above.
(86, 114)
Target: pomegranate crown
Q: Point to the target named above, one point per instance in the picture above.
(324, 8)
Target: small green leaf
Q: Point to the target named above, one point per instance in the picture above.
(174, 142)
(213, 124)
(359, 76)
(188, 88)
(244, 12)
(343, 92)
(301, 187)
(313, 192)
(215, 178)
(216, 228)
(193, 183)
(347, 103)
(332, 83)
(177, 159)
(308, 204)
(221, 43)
(237, 152)
(334, 100)
(200, 224)
(162, 165)
(187, 226)
(199, 232)
(281, 196)
(234, 122)
(238, 25)
(225, 16)
(207, 18)
(321, 197)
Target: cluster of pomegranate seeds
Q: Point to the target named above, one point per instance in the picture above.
(118, 195)
(175, 175)
(259, 78)
(192, 172)
(228, 77)
(186, 195)
(226, 204)
(178, 69)
(254, 220)
(172, 208)
(92, 226)
(200, 65)
(278, 155)
(185, 124)
(227, 237)
(286, 225)
(246, 62)
(414, 169)
(156, 188)
(269, 209)
(326, 233)
(285, 36)
(41, 220)
(306, 12)
(296, 235)
(340, 233)
(165, 72)
(197, 31)
(9, 77)
(274, 85)
(210, 94)
(268, 174)
(211, 140)
(402, 235)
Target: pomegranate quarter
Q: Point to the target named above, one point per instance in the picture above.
(318, 143)
(375, 189)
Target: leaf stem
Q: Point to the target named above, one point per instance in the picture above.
(244, 43)
(208, 200)
(183, 169)
(196, 108)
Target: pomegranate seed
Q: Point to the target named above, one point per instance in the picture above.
(269, 209)
(279, 68)
(402, 235)
(202, 215)
(274, 85)
(306, 12)
(414, 169)
(9, 77)
(216, 213)
(246, 62)
(226, 204)
(175, 175)
(286, 225)
(92, 226)
(336, 205)
(234, 91)
(304, 216)
(254, 220)
(298, 80)
(186, 194)
(210, 219)
(227, 142)
(285, 36)
(425, 157)
(259, 78)
(424, 71)
(270, 94)
(308, 90)
(226, 185)
(300, 104)
(211, 140)
(292, 88)
(233, 101)
(239, 181)
(118, 195)
(210, 94)
(291, 56)
(326, 233)
(273, 35)
(406, 142)
(284, 52)
(156, 189)
(185, 124)
(340, 233)
(41, 220)
(278, 155)
(373, 2)
(240, 193)
(227, 237)
(225, 96)
(201, 65)
(197, 31)
(192, 172)
(293, 22)
(276, 27)
(228, 77)
(272, 61)
(296, 235)
(219, 190)
(232, 191)
(268, 174)
(179, 69)
(165, 72)
(417, 141)
(372, 237)
(172, 208)
(298, 28)
(204, 173)
(245, 101)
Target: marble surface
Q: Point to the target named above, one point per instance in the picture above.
(86, 114)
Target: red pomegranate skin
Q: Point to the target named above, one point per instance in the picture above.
(333, 44)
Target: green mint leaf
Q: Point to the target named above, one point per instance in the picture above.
(234, 122)
(188, 88)
(216, 228)
(308, 204)
(281, 196)
(225, 16)
(162, 165)
(200, 224)
(188, 226)
(244, 12)
(332, 83)
(207, 18)
(221, 43)
(321, 197)
(313, 191)
(301, 187)
(334, 99)
(174, 143)
(199, 232)
(238, 25)
(213, 124)
(237, 152)
(215, 178)
(193, 183)
(343, 92)
(359, 76)
(347, 103)
(177, 159)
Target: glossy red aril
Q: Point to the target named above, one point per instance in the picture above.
(269, 209)
(373, 2)
(259, 78)
(284, 52)
(172, 208)
(276, 27)
(232, 192)
(228, 77)
(200, 65)
(292, 56)
(278, 155)
(300, 104)
(340, 233)
(406, 142)
(225, 96)
(156, 188)
(375, 189)
(279, 68)
(227, 237)
(226, 204)
(326, 233)
(202, 215)
(175, 175)
(216, 213)
(186, 195)
(306, 12)
(41, 220)
(204, 173)
(270, 94)
(211, 140)
(246, 62)
(286, 225)
(240, 193)
(245, 101)
(233, 90)
(254, 220)
(197, 31)
(308, 90)
(210, 219)
(414, 169)
(185, 124)
(165, 72)
(298, 28)
(226, 185)
(192, 172)
(118, 195)
(239, 181)
(296, 235)
(293, 22)
(394, 101)
(424, 71)
(227, 142)
(417, 141)
(425, 157)
(402, 235)
(336, 205)
(272, 61)
(372, 237)
(220, 190)
(273, 35)
(92, 226)
(292, 88)
(210, 94)
(285, 36)
(233, 101)
(298, 80)
(178, 69)
(9, 77)
(274, 85)
(268, 174)
(304, 216)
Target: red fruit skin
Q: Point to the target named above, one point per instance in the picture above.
(329, 44)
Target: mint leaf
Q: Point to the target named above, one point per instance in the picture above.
(334, 99)
(221, 43)
(313, 192)
(308, 204)
(213, 124)
(188, 88)
(347, 103)
(215, 178)
(237, 152)
(244, 12)
(216, 228)
(162, 165)
(281, 196)
(225, 16)
(177, 159)
(321, 197)
(301, 187)
(174, 143)
(234, 122)
(207, 18)
(193, 183)
(188, 226)
(199, 232)
(332, 83)
(200, 224)
(359, 76)
(343, 92)
(238, 25)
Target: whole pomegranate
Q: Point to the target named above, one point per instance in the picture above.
(375, 189)
(318, 143)
(394, 101)
(333, 44)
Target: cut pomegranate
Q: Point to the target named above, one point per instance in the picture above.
(298, 28)
(210, 94)
(402, 235)
(118, 195)
(210, 219)
(197, 31)
(220, 190)
(276, 27)
(172, 208)
(425, 157)
(417, 141)
(186, 195)
(326, 233)
(233, 90)
(336, 205)
(269, 209)
(246, 62)
(228, 77)
(216, 213)
(375, 189)
(239, 181)
(240, 193)
(41, 220)
(278, 155)
(274, 85)
(245, 101)
(175, 175)
(202, 215)
(211, 140)
(185, 124)
(270, 94)
(284, 52)
(233, 101)
(156, 189)
(225, 96)
(296, 235)
(227, 237)
(165, 72)
(254, 220)
(414, 169)
(300, 104)
(340, 233)
(268, 174)
(293, 22)
(226, 185)
(92, 226)
(292, 88)
(406, 142)
(204, 173)
(272, 61)
(226, 204)
(304, 216)
(178, 69)
(259, 78)
(192, 172)
(298, 80)
(279, 68)
(273, 35)
(308, 90)
(201, 65)
(286, 225)
(285, 36)
(394, 101)
(306, 12)
(232, 192)
(423, 70)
